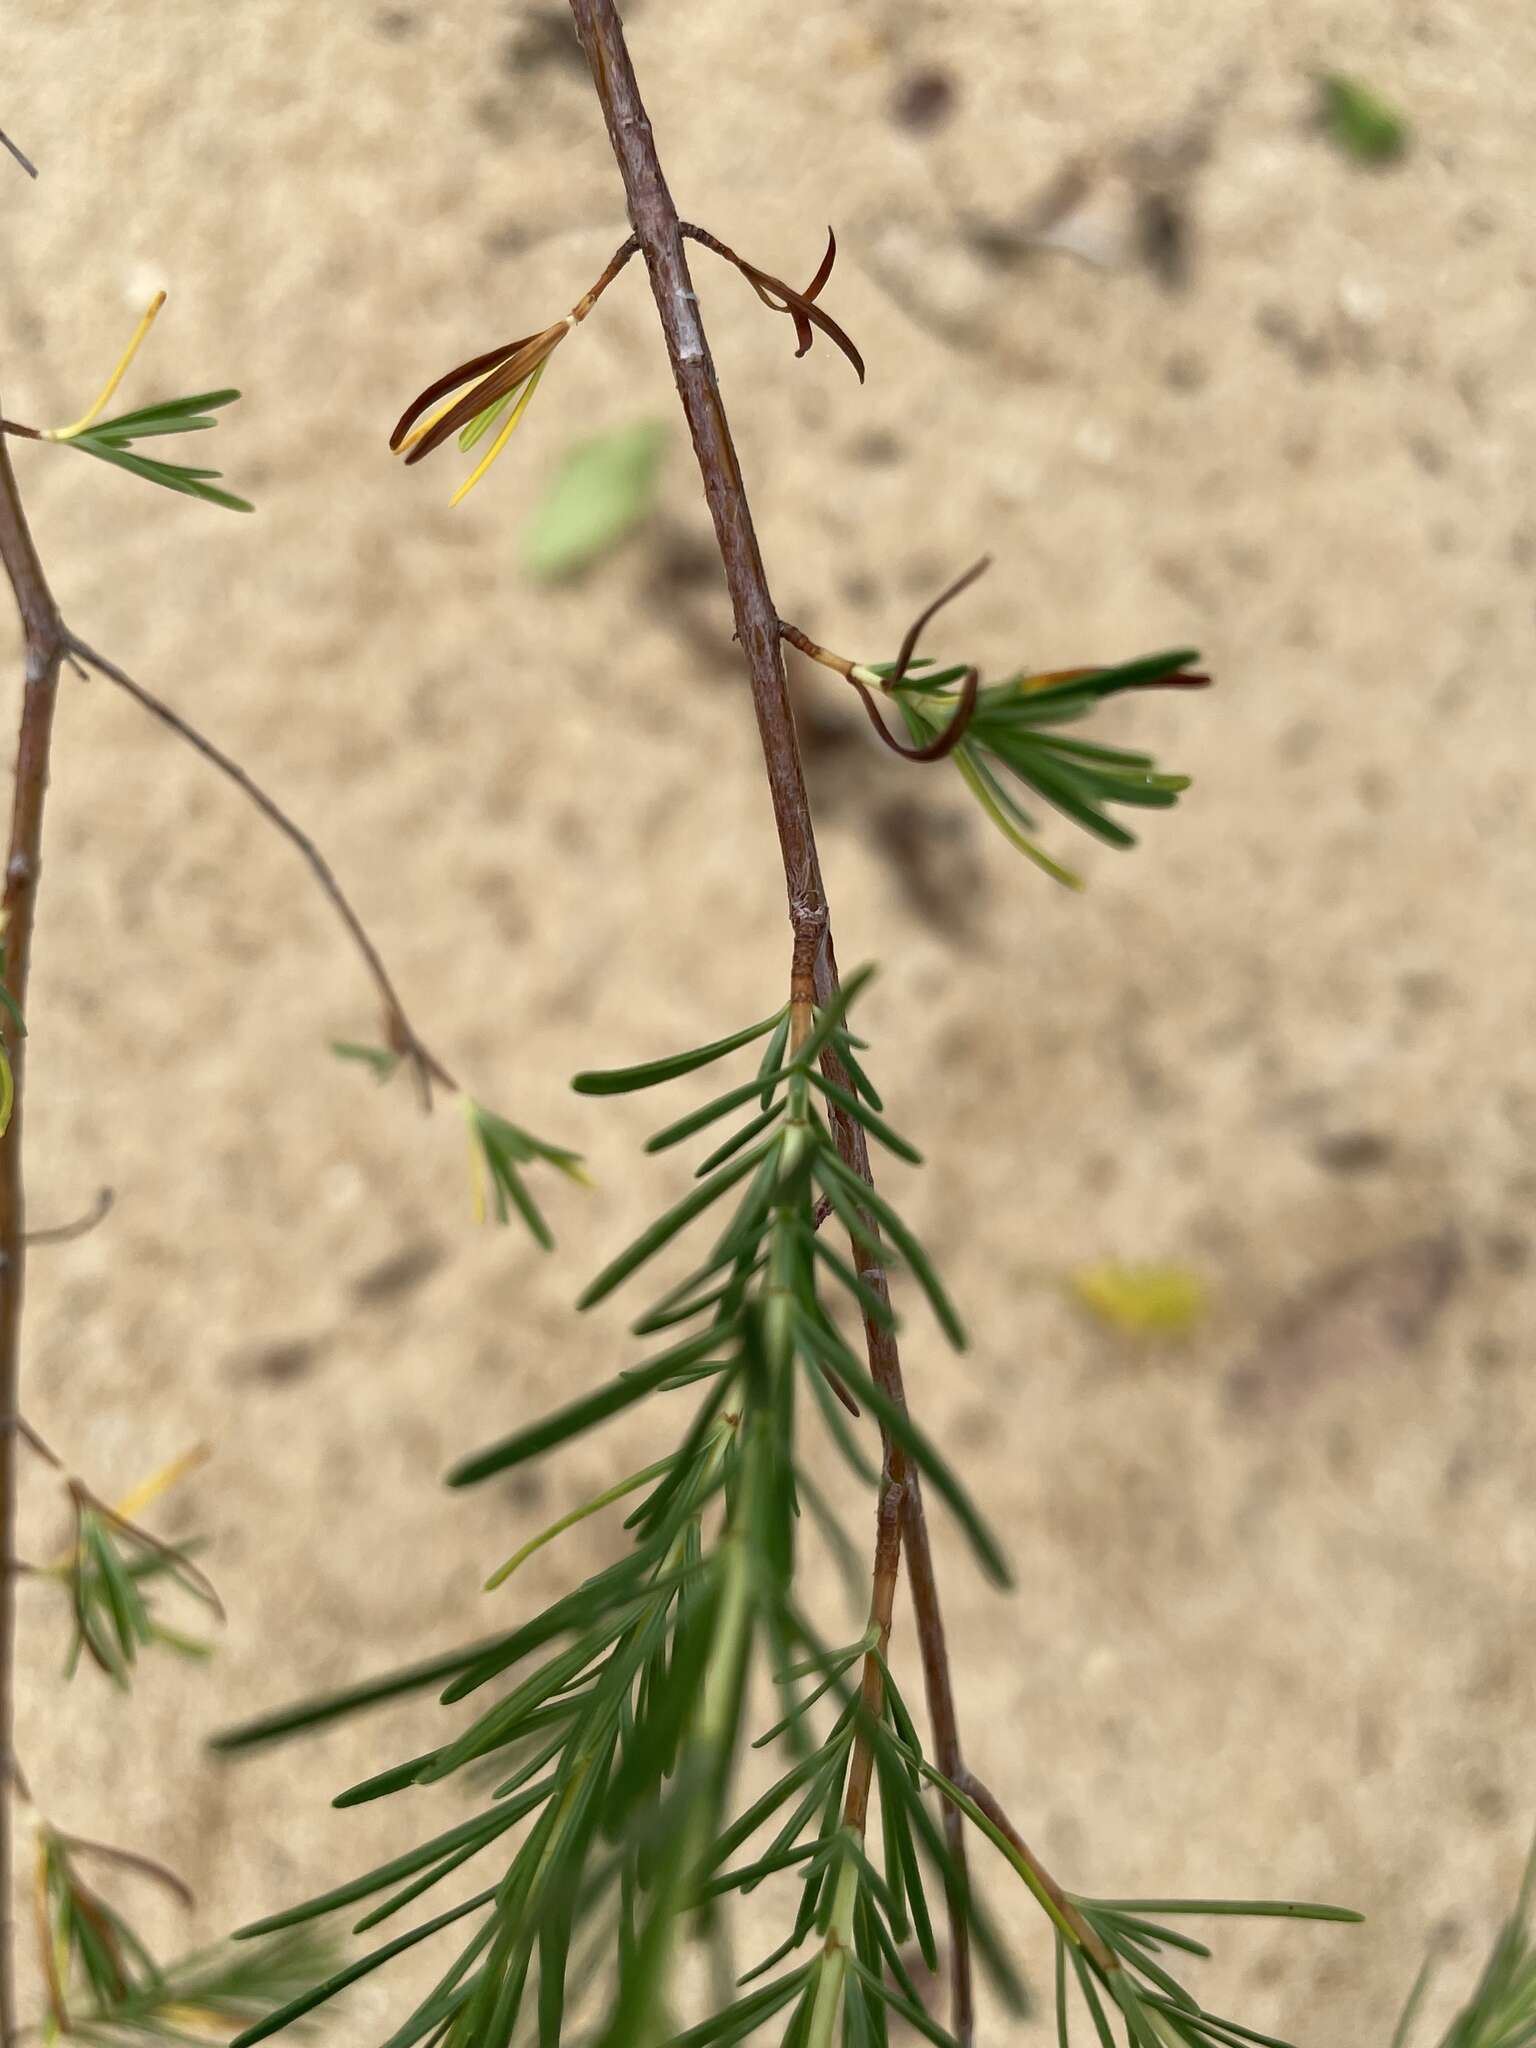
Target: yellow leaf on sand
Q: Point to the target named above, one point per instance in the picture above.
(1141, 1301)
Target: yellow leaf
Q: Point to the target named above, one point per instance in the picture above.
(1142, 1301)
(88, 418)
(134, 1504)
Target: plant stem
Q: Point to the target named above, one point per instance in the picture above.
(881, 1605)
(655, 222)
(25, 161)
(401, 1032)
(833, 1973)
(44, 636)
(1062, 1908)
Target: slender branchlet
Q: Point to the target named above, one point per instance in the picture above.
(757, 628)
(25, 161)
(399, 1030)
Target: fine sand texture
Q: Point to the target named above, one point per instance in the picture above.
(1272, 1628)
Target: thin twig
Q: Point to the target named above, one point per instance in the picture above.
(403, 1038)
(655, 221)
(66, 1233)
(25, 161)
(1092, 1943)
(616, 262)
(13, 1779)
(45, 640)
(32, 1439)
(841, 1938)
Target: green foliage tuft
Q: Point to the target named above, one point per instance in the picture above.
(112, 1573)
(103, 1984)
(1012, 738)
(113, 441)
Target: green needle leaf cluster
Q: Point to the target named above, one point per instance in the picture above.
(1012, 738)
(378, 1059)
(1139, 1988)
(210, 1993)
(114, 441)
(104, 1985)
(613, 1718)
(499, 1149)
(112, 1575)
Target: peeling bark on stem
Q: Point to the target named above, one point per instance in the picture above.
(654, 219)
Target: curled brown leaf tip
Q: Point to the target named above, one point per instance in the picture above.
(825, 271)
(783, 298)
(954, 732)
(943, 743)
(920, 624)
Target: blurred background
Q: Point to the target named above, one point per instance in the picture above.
(1197, 369)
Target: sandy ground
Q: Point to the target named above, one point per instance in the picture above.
(1272, 1630)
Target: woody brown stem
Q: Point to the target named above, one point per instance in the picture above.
(882, 1604)
(45, 643)
(655, 221)
(810, 928)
